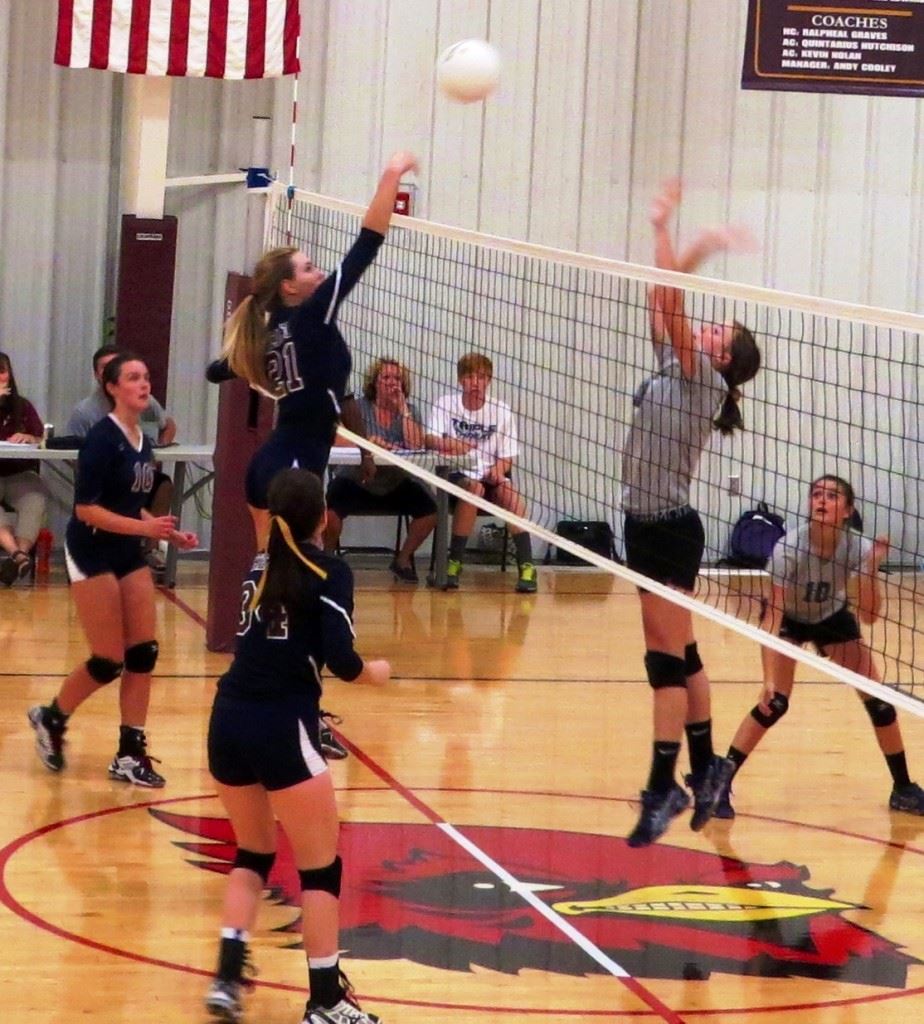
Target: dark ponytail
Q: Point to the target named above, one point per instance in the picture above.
(744, 364)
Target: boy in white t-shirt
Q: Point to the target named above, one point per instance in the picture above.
(468, 421)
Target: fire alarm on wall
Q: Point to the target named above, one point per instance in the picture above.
(405, 199)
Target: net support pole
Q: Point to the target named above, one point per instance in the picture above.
(147, 247)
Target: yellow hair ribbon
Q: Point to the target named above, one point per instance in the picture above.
(294, 548)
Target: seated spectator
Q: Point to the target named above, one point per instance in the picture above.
(469, 421)
(390, 421)
(21, 489)
(156, 425)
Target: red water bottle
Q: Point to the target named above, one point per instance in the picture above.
(43, 551)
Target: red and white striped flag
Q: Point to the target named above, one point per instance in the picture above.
(187, 38)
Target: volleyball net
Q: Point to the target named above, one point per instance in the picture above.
(570, 343)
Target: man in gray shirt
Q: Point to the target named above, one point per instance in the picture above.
(155, 422)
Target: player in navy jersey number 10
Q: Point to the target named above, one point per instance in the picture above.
(265, 750)
(110, 580)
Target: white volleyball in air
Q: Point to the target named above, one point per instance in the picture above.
(469, 70)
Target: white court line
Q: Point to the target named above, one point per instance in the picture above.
(524, 891)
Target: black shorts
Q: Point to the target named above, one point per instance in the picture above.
(279, 452)
(347, 497)
(274, 744)
(668, 550)
(839, 628)
(120, 556)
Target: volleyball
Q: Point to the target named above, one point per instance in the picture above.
(468, 71)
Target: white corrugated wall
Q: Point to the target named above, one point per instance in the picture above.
(600, 100)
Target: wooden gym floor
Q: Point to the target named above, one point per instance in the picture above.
(485, 802)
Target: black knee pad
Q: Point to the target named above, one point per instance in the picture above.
(142, 657)
(779, 705)
(323, 879)
(103, 670)
(691, 659)
(881, 712)
(259, 863)
(665, 670)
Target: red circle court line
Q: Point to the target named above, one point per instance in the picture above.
(8, 900)
(11, 903)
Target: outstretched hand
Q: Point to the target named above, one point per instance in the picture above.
(402, 162)
(733, 237)
(665, 202)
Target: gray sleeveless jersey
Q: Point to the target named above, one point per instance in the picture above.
(815, 588)
(670, 428)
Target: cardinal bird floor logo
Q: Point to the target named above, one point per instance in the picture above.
(411, 893)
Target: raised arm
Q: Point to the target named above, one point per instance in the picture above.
(666, 302)
(378, 215)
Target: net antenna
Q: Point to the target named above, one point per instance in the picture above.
(570, 343)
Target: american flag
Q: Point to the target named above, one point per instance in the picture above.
(186, 38)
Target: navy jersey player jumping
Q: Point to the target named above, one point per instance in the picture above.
(694, 392)
(264, 747)
(110, 580)
(283, 339)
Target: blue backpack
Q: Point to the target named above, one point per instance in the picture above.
(753, 538)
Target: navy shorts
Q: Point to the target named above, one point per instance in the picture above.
(839, 628)
(347, 497)
(279, 452)
(669, 549)
(274, 744)
(120, 556)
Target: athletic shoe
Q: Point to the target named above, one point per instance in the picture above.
(657, 811)
(331, 747)
(526, 581)
(453, 572)
(224, 1001)
(909, 799)
(404, 573)
(705, 793)
(723, 806)
(49, 738)
(346, 1011)
(136, 769)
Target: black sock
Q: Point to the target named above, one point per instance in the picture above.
(898, 766)
(55, 715)
(663, 765)
(131, 741)
(457, 546)
(699, 740)
(523, 546)
(737, 758)
(324, 985)
(231, 959)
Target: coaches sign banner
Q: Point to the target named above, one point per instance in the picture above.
(871, 46)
